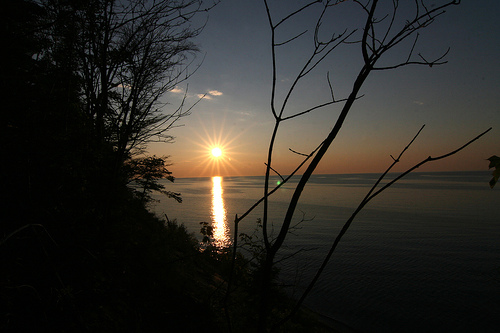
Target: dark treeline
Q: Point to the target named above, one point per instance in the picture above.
(79, 251)
(81, 84)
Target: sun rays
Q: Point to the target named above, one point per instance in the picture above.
(217, 150)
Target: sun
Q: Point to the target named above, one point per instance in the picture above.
(219, 150)
(216, 152)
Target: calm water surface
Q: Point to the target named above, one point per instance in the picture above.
(422, 257)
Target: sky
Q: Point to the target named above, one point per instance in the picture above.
(456, 101)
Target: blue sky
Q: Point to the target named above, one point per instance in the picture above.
(456, 101)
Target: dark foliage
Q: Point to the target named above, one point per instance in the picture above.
(79, 252)
(145, 172)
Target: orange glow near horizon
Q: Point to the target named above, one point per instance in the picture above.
(219, 221)
(216, 156)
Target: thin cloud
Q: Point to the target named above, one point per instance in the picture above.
(210, 94)
(177, 90)
(215, 93)
(245, 113)
(204, 96)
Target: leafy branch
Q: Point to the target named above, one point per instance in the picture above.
(494, 163)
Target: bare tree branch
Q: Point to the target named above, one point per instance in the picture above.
(383, 29)
(291, 39)
(296, 152)
(370, 195)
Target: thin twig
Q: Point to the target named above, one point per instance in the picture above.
(275, 171)
(296, 152)
(363, 204)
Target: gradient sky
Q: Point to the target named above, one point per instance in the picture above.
(455, 101)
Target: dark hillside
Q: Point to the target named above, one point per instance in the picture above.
(78, 251)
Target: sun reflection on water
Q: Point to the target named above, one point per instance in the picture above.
(219, 221)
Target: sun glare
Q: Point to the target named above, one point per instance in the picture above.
(216, 152)
(219, 221)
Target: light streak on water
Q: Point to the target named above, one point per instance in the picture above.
(219, 220)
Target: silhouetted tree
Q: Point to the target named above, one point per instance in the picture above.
(494, 163)
(381, 27)
(78, 251)
(144, 174)
(43, 128)
(127, 55)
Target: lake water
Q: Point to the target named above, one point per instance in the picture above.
(424, 256)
